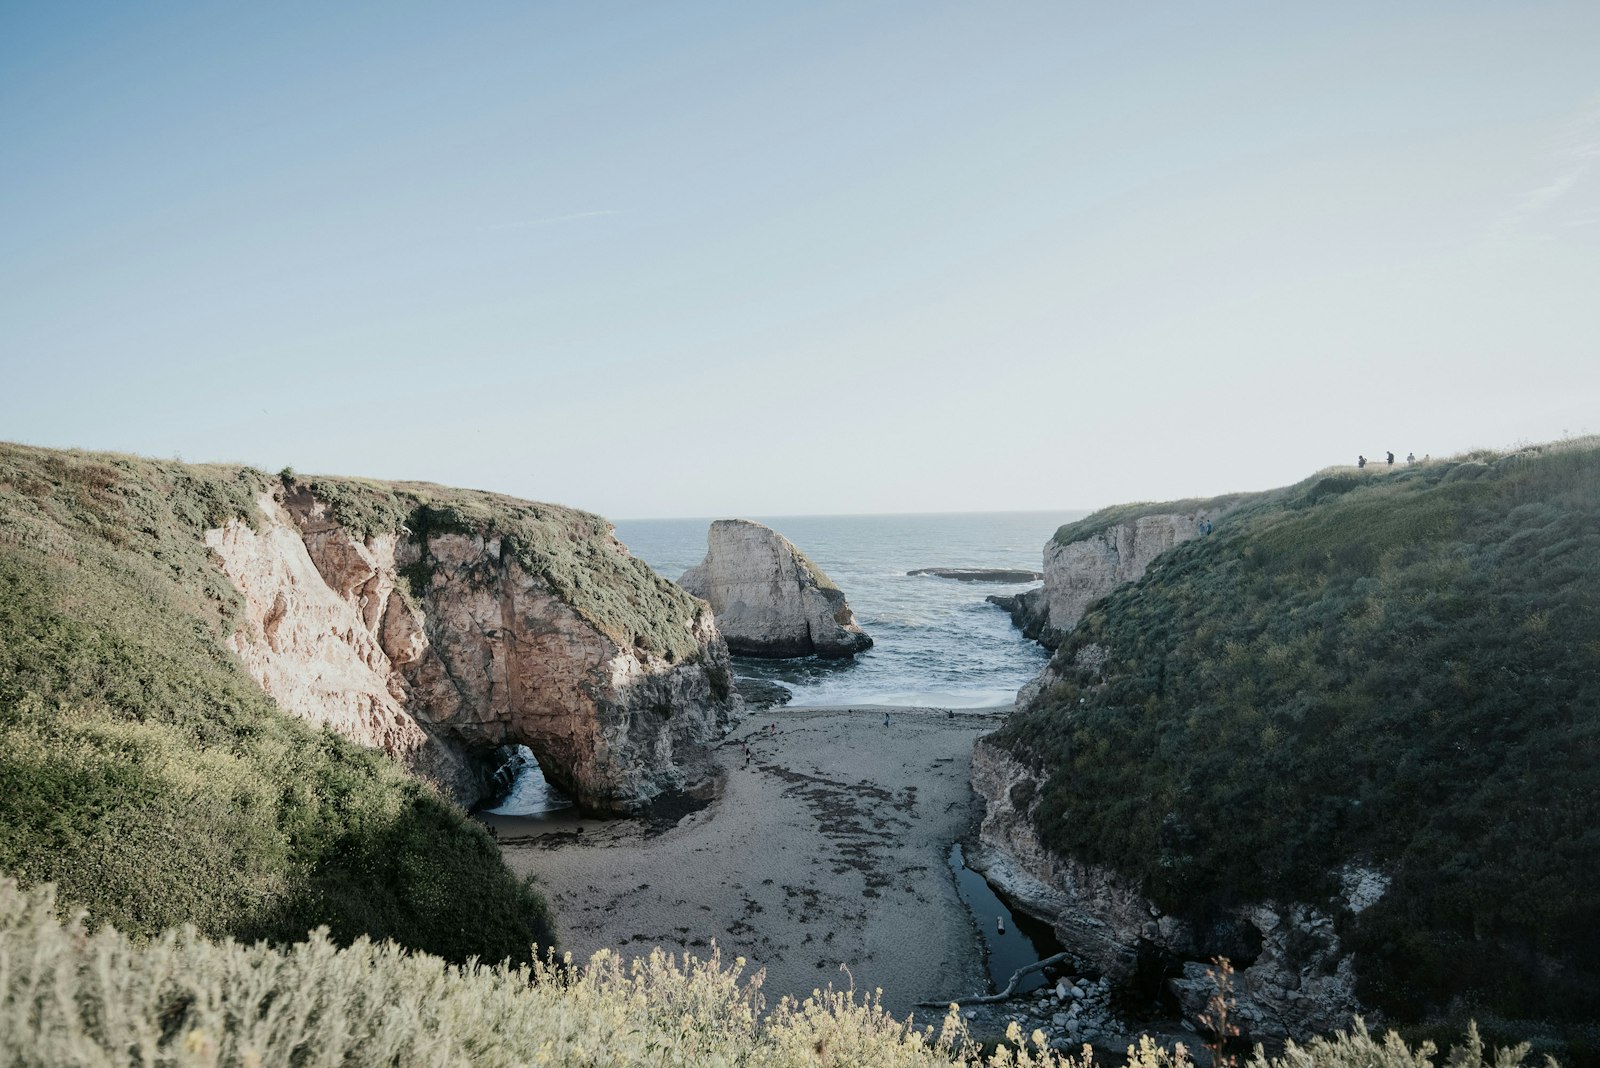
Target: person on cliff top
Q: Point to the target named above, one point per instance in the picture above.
(1391, 459)
(1361, 461)
(1411, 459)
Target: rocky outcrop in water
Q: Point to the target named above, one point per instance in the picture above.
(1029, 610)
(769, 599)
(442, 645)
(980, 574)
(1294, 978)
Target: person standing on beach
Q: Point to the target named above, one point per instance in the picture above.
(886, 719)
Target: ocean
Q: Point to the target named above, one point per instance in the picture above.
(936, 641)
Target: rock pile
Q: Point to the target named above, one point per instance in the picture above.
(1076, 1010)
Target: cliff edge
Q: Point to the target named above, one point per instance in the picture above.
(1087, 559)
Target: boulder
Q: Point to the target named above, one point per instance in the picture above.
(768, 598)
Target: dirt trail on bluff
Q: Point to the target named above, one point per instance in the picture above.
(829, 848)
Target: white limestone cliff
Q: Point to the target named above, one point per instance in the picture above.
(769, 599)
(483, 655)
(1079, 572)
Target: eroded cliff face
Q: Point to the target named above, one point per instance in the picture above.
(1080, 573)
(313, 647)
(1293, 980)
(769, 598)
(440, 648)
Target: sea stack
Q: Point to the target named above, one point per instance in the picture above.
(768, 598)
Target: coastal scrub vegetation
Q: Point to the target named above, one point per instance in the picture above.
(68, 996)
(1396, 669)
(572, 551)
(147, 775)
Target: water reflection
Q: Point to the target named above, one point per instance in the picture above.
(1013, 938)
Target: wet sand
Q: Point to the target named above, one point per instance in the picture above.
(830, 847)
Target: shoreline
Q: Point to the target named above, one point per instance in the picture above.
(823, 860)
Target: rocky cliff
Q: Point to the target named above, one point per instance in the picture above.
(1099, 915)
(1088, 559)
(438, 626)
(1294, 978)
(769, 598)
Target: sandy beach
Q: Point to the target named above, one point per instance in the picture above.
(829, 847)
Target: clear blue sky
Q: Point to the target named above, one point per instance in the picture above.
(747, 258)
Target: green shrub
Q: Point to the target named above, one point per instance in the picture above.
(69, 997)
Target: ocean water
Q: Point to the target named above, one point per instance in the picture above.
(937, 642)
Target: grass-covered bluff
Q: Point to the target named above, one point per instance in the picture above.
(149, 777)
(1118, 514)
(571, 550)
(1396, 667)
(69, 997)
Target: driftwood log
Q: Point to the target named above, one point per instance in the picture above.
(1011, 987)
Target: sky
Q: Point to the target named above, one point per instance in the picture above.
(718, 259)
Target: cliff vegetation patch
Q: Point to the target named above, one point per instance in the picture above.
(1399, 669)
